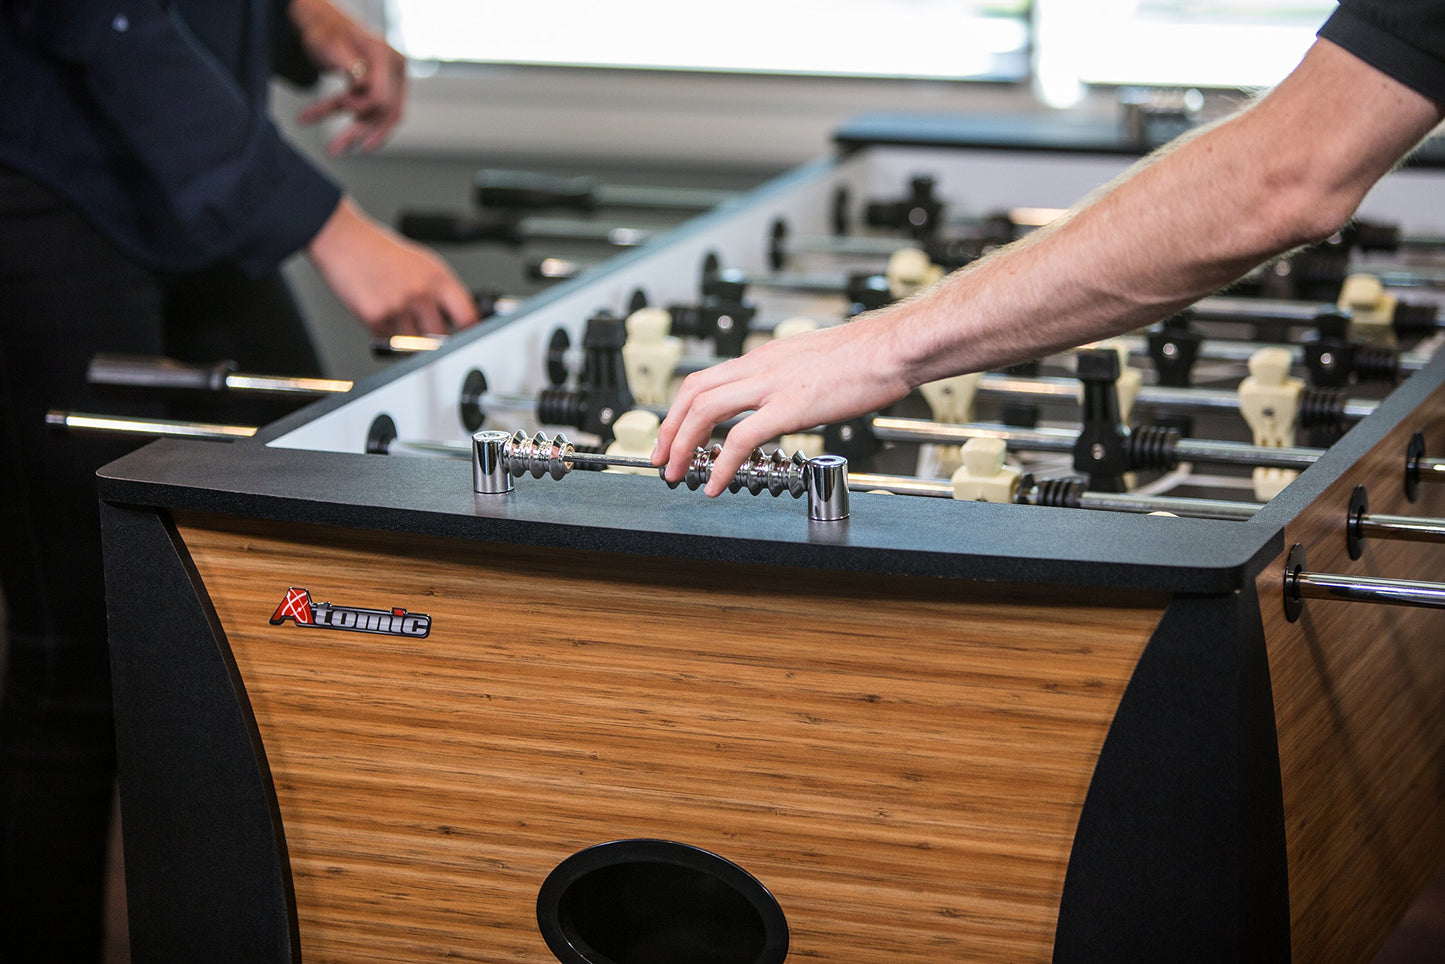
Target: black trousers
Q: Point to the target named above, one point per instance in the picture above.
(65, 295)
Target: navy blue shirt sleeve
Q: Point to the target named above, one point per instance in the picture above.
(1402, 38)
(165, 145)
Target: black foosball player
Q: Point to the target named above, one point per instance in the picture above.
(1183, 223)
(146, 201)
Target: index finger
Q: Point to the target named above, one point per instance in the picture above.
(702, 415)
(322, 109)
(457, 302)
(679, 411)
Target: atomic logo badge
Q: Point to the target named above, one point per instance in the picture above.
(298, 607)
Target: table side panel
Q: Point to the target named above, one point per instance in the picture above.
(901, 761)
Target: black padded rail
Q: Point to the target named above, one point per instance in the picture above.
(640, 515)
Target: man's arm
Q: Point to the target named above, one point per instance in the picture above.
(1291, 169)
(392, 285)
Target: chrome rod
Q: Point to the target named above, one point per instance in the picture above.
(1361, 524)
(1103, 501)
(1391, 592)
(1227, 308)
(287, 385)
(505, 401)
(1401, 276)
(666, 198)
(558, 269)
(161, 373)
(1217, 350)
(976, 228)
(892, 429)
(1240, 453)
(1401, 528)
(811, 282)
(151, 427)
(442, 448)
(618, 461)
(1063, 440)
(1422, 241)
(848, 245)
(524, 190)
(900, 485)
(1299, 584)
(619, 235)
(1191, 508)
(1215, 399)
(445, 228)
(407, 344)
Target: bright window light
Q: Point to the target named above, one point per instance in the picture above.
(1180, 43)
(954, 39)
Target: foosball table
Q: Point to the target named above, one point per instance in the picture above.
(1130, 654)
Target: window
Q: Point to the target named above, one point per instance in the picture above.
(952, 39)
(1186, 43)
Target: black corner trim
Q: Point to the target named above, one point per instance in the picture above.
(1180, 851)
(207, 872)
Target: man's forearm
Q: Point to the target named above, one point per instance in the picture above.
(1291, 169)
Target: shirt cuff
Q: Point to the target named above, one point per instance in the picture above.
(297, 201)
(1386, 52)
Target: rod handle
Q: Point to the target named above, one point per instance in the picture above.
(440, 227)
(519, 190)
(158, 372)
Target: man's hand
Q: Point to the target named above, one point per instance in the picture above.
(375, 74)
(788, 385)
(394, 286)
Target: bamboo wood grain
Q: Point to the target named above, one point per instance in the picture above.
(1359, 692)
(902, 762)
